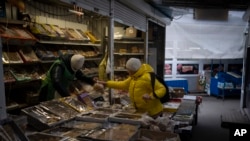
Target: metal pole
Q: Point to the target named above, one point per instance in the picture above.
(146, 43)
(3, 114)
(243, 85)
(111, 45)
(212, 68)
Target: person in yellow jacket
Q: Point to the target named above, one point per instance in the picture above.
(139, 86)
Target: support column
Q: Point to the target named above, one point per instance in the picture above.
(111, 45)
(3, 114)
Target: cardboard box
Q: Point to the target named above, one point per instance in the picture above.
(177, 92)
(130, 32)
(171, 106)
(119, 32)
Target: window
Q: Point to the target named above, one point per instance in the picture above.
(187, 68)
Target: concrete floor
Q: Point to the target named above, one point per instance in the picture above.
(209, 118)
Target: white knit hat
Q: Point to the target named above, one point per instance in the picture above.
(77, 62)
(133, 64)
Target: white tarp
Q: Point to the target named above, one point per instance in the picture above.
(189, 38)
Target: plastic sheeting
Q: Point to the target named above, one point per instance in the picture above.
(189, 38)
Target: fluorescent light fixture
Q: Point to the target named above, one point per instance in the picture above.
(184, 50)
(76, 12)
(195, 48)
(168, 48)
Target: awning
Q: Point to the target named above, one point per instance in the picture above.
(189, 38)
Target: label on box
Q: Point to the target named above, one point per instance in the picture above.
(131, 32)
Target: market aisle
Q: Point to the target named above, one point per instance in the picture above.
(209, 123)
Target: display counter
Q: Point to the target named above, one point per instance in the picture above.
(175, 124)
(178, 82)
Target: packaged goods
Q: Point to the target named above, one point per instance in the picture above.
(7, 32)
(38, 29)
(74, 34)
(57, 29)
(92, 38)
(83, 34)
(84, 125)
(58, 108)
(127, 118)
(12, 57)
(8, 77)
(131, 32)
(85, 98)
(74, 103)
(50, 31)
(22, 33)
(28, 54)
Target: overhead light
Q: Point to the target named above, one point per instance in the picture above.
(184, 50)
(76, 12)
(195, 48)
(169, 48)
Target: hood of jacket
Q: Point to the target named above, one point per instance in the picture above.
(145, 68)
(66, 60)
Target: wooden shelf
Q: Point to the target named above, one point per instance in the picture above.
(11, 21)
(128, 53)
(129, 42)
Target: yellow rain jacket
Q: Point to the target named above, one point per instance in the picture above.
(139, 84)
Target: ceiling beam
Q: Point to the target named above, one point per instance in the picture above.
(222, 4)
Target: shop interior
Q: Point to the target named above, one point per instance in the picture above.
(198, 48)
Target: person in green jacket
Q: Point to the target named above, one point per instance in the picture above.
(139, 87)
(61, 73)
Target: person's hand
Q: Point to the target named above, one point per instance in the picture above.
(146, 97)
(102, 82)
(98, 87)
(95, 79)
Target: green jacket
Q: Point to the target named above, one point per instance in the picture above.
(59, 77)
